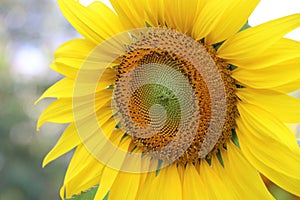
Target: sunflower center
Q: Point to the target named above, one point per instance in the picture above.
(174, 97)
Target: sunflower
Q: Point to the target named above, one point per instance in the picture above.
(174, 99)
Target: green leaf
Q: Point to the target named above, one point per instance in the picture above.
(87, 195)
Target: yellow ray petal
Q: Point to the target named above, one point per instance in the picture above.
(125, 186)
(81, 55)
(105, 77)
(165, 185)
(265, 123)
(288, 87)
(269, 146)
(217, 189)
(193, 187)
(269, 77)
(98, 144)
(70, 56)
(81, 158)
(76, 48)
(225, 175)
(61, 110)
(210, 14)
(109, 174)
(281, 51)
(107, 179)
(89, 125)
(84, 62)
(131, 13)
(108, 74)
(143, 177)
(155, 12)
(181, 15)
(169, 184)
(64, 70)
(233, 19)
(68, 140)
(181, 170)
(149, 189)
(61, 89)
(95, 26)
(85, 164)
(88, 177)
(241, 173)
(255, 40)
(285, 107)
(64, 89)
(84, 172)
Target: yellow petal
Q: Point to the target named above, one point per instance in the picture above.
(109, 174)
(61, 89)
(283, 50)
(95, 26)
(181, 15)
(125, 186)
(61, 110)
(285, 107)
(143, 178)
(64, 70)
(81, 160)
(265, 123)
(67, 141)
(107, 179)
(64, 89)
(270, 77)
(150, 187)
(193, 187)
(253, 41)
(217, 189)
(130, 12)
(169, 184)
(233, 19)
(76, 49)
(103, 145)
(88, 121)
(70, 56)
(210, 14)
(269, 146)
(241, 173)
(155, 12)
(165, 185)
(83, 55)
(84, 172)
(288, 87)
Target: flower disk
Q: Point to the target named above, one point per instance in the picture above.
(154, 72)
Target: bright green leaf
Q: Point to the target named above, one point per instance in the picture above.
(87, 195)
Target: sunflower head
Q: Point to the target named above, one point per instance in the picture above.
(172, 89)
(171, 96)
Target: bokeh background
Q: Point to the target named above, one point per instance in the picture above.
(30, 31)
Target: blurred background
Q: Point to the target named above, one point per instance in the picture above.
(30, 31)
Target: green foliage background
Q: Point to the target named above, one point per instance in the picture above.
(35, 27)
